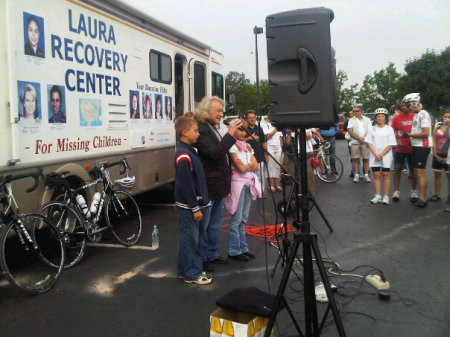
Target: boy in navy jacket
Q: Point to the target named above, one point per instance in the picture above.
(191, 197)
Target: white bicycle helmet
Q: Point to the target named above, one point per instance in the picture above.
(381, 111)
(125, 183)
(411, 98)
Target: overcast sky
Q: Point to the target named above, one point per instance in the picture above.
(367, 35)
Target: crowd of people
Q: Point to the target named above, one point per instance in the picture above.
(405, 140)
(216, 172)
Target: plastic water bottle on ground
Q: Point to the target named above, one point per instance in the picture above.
(155, 237)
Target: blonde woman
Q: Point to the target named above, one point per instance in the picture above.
(29, 105)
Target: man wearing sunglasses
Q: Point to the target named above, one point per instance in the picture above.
(357, 129)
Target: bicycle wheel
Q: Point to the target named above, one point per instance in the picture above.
(71, 227)
(123, 217)
(330, 174)
(32, 253)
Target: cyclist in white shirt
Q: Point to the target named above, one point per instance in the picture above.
(421, 141)
(380, 140)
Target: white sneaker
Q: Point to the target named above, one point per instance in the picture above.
(202, 280)
(414, 196)
(396, 196)
(356, 178)
(366, 178)
(385, 200)
(377, 199)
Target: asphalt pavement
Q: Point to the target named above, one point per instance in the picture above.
(117, 291)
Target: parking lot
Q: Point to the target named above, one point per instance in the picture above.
(116, 291)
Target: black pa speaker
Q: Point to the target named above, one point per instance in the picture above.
(302, 68)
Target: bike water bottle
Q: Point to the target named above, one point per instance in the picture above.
(95, 202)
(82, 203)
(155, 237)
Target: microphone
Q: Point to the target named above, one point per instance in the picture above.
(226, 122)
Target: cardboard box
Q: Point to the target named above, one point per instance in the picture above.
(231, 323)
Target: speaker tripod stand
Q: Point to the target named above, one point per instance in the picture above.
(285, 208)
(308, 240)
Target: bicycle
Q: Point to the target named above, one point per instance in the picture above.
(32, 252)
(121, 211)
(329, 168)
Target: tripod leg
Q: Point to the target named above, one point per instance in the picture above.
(326, 283)
(292, 317)
(284, 280)
(283, 255)
(324, 319)
(311, 321)
(321, 213)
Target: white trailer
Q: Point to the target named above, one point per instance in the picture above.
(85, 81)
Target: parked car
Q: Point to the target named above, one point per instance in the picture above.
(341, 122)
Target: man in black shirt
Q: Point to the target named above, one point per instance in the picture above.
(257, 141)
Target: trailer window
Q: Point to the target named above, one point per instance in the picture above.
(199, 81)
(217, 85)
(160, 67)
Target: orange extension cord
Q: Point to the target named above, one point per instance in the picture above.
(257, 231)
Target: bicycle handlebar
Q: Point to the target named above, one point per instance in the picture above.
(38, 173)
(123, 162)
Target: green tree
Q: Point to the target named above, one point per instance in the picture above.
(346, 96)
(380, 90)
(245, 92)
(429, 75)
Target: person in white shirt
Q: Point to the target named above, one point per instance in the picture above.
(357, 129)
(421, 141)
(274, 143)
(380, 139)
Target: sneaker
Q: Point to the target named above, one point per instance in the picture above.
(435, 198)
(385, 200)
(420, 203)
(377, 199)
(220, 260)
(356, 178)
(240, 257)
(396, 196)
(203, 279)
(366, 178)
(250, 255)
(414, 196)
(208, 266)
(351, 175)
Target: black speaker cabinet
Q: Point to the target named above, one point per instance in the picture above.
(302, 68)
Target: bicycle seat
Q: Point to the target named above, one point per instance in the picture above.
(58, 174)
(56, 179)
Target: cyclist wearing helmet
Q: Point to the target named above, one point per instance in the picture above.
(380, 139)
(421, 141)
